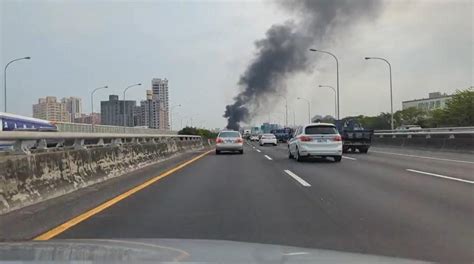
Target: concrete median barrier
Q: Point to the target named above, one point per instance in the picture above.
(449, 142)
(29, 179)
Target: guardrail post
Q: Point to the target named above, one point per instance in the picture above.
(451, 136)
(23, 146)
(42, 144)
(100, 142)
(78, 143)
(116, 142)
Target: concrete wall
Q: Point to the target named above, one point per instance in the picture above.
(439, 142)
(29, 179)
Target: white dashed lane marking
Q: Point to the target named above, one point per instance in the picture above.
(297, 178)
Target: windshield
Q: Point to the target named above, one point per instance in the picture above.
(229, 134)
(339, 125)
(313, 130)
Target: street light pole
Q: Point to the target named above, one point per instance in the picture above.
(5, 80)
(391, 93)
(337, 76)
(286, 109)
(92, 104)
(171, 115)
(309, 107)
(335, 97)
(124, 115)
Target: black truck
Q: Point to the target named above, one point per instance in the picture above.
(354, 136)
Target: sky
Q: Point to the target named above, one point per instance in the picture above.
(203, 47)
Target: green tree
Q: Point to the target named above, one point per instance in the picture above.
(197, 131)
(459, 109)
(410, 116)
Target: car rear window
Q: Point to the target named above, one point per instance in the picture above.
(268, 136)
(229, 134)
(313, 130)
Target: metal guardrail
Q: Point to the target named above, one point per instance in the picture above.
(436, 129)
(424, 133)
(24, 142)
(89, 128)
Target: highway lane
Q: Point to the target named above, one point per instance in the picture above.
(369, 204)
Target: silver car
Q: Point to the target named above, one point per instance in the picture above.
(229, 141)
(316, 139)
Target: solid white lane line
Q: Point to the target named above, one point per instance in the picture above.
(441, 176)
(422, 157)
(296, 253)
(298, 179)
(349, 158)
(258, 150)
(266, 156)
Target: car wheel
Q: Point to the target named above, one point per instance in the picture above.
(337, 158)
(363, 149)
(298, 156)
(218, 152)
(275, 144)
(290, 156)
(241, 151)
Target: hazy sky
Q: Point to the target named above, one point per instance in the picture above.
(202, 47)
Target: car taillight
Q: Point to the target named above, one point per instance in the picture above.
(337, 138)
(305, 138)
(219, 140)
(239, 140)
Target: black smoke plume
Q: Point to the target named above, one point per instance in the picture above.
(284, 50)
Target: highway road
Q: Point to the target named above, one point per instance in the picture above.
(382, 203)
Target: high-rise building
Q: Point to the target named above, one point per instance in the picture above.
(93, 118)
(112, 112)
(73, 106)
(49, 108)
(151, 113)
(160, 94)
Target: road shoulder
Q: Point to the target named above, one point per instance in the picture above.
(26, 223)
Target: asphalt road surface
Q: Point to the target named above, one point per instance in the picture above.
(405, 205)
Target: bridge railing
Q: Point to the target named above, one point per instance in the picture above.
(89, 128)
(23, 142)
(423, 130)
(454, 140)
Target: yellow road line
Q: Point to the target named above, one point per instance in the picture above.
(76, 220)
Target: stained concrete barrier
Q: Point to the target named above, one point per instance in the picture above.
(456, 142)
(29, 179)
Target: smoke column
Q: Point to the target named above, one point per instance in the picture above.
(284, 50)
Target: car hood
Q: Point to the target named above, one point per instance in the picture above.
(176, 250)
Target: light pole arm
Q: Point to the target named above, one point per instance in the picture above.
(391, 92)
(5, 79)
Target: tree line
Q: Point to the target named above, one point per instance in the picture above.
(459, 111)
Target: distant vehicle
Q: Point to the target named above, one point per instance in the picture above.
(229, 141)
(409, 127)
(246, 133)
(268, 139)
(254, 138)
(316, 139)
(12, 122)
(354, 136)
(283, 135)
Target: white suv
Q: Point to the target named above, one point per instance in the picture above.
(316, 139)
